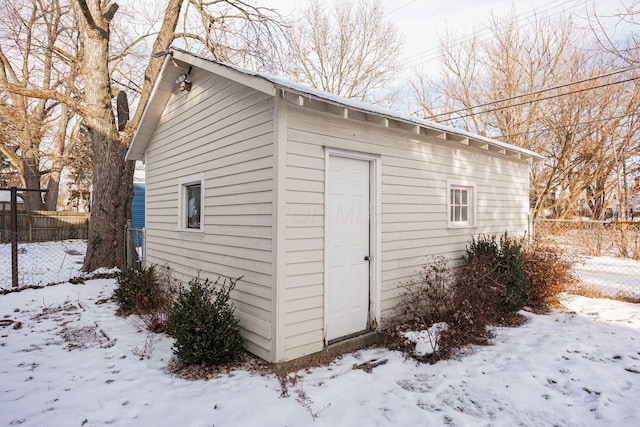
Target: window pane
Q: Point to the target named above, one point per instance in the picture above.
(464, 194)
(193, 206)
(460, 200)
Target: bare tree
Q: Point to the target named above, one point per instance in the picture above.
(350, 50)
(232, 31)
(619, 36)
(112, 176)
(544, 89)
(8, 172)
(92, 103)
(32, 29)
(626, 47)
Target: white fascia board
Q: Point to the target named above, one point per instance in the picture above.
(234, 74)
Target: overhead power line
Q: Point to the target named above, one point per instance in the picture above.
(543, 99)
(400, 7)
(511, 98)
(624, 116)
(548, 8)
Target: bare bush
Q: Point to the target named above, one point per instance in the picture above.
(437, 295)
(146, 350)
(549, 272)
(148, 293)
(427, 298)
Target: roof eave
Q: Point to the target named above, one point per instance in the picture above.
(165, 85)
(445, 132)
(160, 94)
(177, 62)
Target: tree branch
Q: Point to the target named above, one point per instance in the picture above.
(76, 106)
(111, 11)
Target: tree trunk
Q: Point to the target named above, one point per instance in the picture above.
(111, 197)
(53, 186)
(112, 177)
(58, 162)
(31, 173)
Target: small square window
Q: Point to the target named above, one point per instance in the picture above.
(461, 204)
(191, 205)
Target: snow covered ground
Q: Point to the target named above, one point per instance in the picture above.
(611, 276)
(43, 263)
(66, 359)
(55, 262)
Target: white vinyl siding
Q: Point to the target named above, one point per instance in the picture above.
(223, 132)
(304, 296)
(414, 207)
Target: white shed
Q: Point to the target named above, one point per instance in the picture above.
(323, 204)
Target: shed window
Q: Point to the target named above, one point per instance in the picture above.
(190, 215)
(461, 204)
(193, 205)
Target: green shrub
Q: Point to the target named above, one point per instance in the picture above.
(138, 291)
(512, 260)
(499, 264)
(203, 324)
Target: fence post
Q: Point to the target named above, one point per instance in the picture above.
(127, 250)
(14, 237)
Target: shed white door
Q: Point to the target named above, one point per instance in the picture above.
(348, 247)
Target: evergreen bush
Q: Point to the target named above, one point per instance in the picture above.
(203, 324)
(500, 265)
(138, 291)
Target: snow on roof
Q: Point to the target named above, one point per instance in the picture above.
(257, 80)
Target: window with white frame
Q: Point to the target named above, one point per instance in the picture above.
(191, 204)
(461, 201)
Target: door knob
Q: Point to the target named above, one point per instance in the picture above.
(366, 258)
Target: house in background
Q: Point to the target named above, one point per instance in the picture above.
(137, 204)
(323, 205)
(5, 201)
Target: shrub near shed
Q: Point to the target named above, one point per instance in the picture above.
(138, 291)
(498, 264)
(203, 324)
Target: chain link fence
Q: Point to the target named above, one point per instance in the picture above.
(41, 262)
(47, 256)
(134, 246)
(607, 254)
